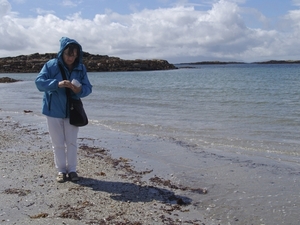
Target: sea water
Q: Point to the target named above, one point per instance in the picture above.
(254, 108)
(246, 108)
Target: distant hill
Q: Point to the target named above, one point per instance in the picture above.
(224, 63)
(279, 62)
(210, 63)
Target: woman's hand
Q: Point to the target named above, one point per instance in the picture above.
(75, 89)
(65, 84)
(68, 84)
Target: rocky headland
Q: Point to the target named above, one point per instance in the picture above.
(94, 63)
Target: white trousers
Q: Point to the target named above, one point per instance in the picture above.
(64, 143)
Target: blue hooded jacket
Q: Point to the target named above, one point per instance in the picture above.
(55, 99)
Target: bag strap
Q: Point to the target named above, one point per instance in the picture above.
(68, 94)
(62, 71)
(65, 78)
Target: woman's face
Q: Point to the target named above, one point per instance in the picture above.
(69, 59)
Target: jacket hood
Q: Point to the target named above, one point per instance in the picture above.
(64, 41)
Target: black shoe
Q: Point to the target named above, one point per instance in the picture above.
(73, 176)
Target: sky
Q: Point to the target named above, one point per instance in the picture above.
(179, 31)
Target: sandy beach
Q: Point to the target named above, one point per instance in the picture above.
(110, 190)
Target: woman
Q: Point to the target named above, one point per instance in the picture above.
(50, 81)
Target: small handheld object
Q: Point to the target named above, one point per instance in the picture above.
(76, 83)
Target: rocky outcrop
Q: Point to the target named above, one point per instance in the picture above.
(7, 80)
(94, 63)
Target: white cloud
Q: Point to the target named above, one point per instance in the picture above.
(69, 3)
(19, 1)
(296, 2)
(293, 16)
(178, 34)
(4, 8)
(43, 11)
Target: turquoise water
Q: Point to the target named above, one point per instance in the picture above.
(231, 108)
(237, 108)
